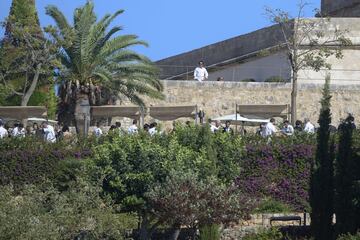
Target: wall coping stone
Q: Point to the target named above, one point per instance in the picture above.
(257, 85)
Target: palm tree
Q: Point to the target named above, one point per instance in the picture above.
(96, 61)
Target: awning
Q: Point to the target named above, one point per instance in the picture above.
(115, 111)
(41, 120)
(237, 120)
(22, 112)
(263, 110)
(170, 113)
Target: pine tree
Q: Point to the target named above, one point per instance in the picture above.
(23, 14)
(25, 55)
(321, 186)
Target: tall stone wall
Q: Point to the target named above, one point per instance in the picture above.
(220, 98)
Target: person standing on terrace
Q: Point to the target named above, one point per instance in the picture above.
(200, 72)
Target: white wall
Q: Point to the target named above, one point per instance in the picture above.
(259, 69)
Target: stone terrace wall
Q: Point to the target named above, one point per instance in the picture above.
(219, 98)
(258, 222)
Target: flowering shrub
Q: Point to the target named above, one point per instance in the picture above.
(281, 172)
(31, 161)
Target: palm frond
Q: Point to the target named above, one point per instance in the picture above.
(119, 43)
(92, 53)
(59, 19)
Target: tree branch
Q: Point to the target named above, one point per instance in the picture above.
(9, 87)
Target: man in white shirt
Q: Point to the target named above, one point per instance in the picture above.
(19, 130)
(133, 129)
(214, 127)
(3, 131)
(49, 132)
(152, 130)
(200, 72)
(270, 128)
(97, 130)
(309, 127)
(287, 128)
(15, 131)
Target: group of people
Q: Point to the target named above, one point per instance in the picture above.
(44, 131)
(50, 134)
(216, 127)
(133, 129)
(269, 129)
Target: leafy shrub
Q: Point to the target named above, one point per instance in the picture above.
(31, 161)
(278, 171)
(265, 234)
(269, 205)
(248, 80)
(184, 199)
(349, 237)
(210, 232)
(45, 213)
(276, 79)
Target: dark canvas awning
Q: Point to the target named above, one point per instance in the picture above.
(170, 113)
(116, 111)
(22, 112)
(263, 110)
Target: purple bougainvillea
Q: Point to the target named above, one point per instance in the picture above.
(281, 172)
(34, 162)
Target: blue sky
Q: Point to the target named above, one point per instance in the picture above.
(176, 26)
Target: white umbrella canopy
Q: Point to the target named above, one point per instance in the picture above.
(40, 120)
(238, 119)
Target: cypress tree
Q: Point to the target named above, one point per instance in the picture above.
(344, 181)
(321, 183)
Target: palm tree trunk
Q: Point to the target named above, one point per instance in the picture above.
(82, 114)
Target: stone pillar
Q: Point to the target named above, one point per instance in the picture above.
(82, 114)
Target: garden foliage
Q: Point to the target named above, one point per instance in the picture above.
(31, 161)
(189, 177)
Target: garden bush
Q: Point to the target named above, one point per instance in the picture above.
(185, 200)
(277, 79)
(31, 161)
(248, 80)
(45, 213)
(269, 205)
(278, 171)
(265, 234)
(349, 237)
(210, 232)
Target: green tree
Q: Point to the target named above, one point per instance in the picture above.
(306, 42)
(27, 58)
(185, 200)
(321, 182)
(131, 164)
(96, 61)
